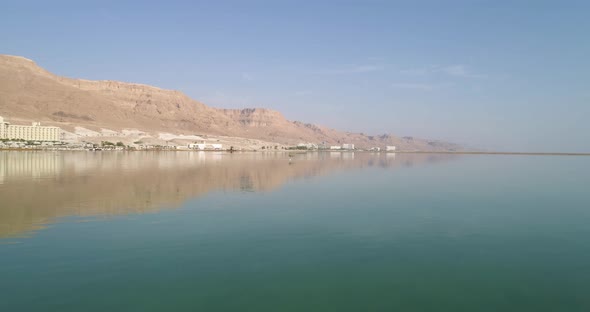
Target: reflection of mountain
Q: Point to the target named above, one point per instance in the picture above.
(38, 187)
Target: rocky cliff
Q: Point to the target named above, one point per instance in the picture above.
(29, 92)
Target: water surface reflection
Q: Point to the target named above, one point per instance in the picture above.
(37, 188)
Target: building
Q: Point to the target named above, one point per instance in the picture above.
(390, 148)
(34, 132)
(216, 147)
(308, 146)
(197, 146)
(348, 146)
(205, 146)
(335, 147)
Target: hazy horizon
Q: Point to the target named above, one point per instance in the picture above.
(503, 76)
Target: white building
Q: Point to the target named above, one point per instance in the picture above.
(197, 146)
(348, 146)
(335, 147)
(206, 146)
(35, 132)
(216, 147)
(307, 145)
(390, 148)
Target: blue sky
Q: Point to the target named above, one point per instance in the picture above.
(506, 75)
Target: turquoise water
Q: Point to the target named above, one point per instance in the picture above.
(326, 232)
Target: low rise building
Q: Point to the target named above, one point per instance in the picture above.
(197, 146)
(34, 132)
(307, 146)
(390, 148)
(335, 147)
(206, 146)
(348, 146)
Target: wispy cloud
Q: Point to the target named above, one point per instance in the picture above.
(417, 71)
(302, 93)
(355, 69)
(413, 86)
(450, 70)
(459, 71)
(247, 76)
(366, 68)
(418, 86)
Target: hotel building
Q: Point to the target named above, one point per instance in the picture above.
(35, 132)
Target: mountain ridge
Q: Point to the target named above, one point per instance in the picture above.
(29, 92)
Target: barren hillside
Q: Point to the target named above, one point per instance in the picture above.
(28, 92)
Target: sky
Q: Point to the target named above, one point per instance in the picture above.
(498, 75)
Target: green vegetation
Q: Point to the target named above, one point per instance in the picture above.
(297, 148)
(12, 140)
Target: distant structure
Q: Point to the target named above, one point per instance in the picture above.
(307, 146)
(390, 148)
(35, 132)
(335, 147)
(348, 146)
(205, 146)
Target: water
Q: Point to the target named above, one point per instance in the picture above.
(325, 232)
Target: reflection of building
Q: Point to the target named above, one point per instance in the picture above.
(35, 132)
(18, 165)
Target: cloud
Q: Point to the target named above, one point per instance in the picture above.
(450, 70)
(417, 71)
(351, 70)
(413, 86)
(247, 76)
(302, 93)
(366, 68)
(459, 71)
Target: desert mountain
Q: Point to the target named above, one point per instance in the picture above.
(29, 92)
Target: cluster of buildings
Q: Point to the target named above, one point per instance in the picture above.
(350, 147)
(202, 146)
(346, 146)
(309, 146)
(34, 132)
(389, 148)
(37, 135)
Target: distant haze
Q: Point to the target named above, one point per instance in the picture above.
(503, 76)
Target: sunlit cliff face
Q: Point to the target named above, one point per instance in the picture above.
(38, 187)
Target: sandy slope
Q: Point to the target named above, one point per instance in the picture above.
(28, 92)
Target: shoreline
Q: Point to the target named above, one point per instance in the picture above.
(316, 151)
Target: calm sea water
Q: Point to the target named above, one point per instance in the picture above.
(324, 232)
